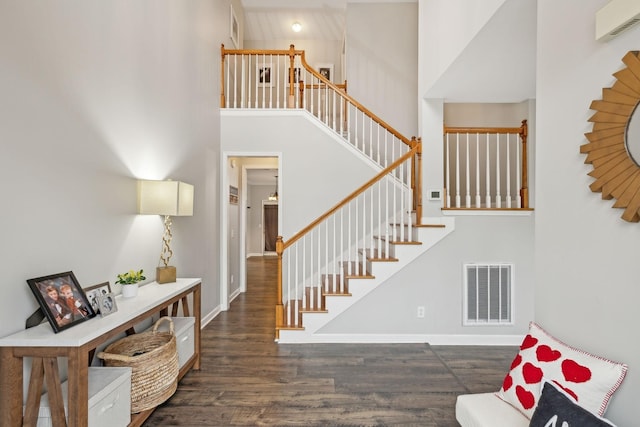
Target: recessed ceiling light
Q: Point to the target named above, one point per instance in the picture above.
(296, 27)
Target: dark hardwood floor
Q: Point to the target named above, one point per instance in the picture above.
(249, 380)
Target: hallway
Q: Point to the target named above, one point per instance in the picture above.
(249, 380)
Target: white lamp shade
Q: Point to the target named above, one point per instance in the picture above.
(173, 198)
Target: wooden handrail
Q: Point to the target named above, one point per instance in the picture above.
(359, 106)
(408, 155)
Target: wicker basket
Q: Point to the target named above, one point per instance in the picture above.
(154, 361)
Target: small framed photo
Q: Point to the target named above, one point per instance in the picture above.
(107, 304)
(326, 71)
(94, 291)
(264, 75)
(296, 75)
(234, 28)
(62, 300)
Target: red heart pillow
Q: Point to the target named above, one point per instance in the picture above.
(590, 379)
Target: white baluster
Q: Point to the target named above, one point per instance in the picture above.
(478, 199)
(467, 189)
(457, 170)
(508, 172)
(498, 177)
(488, 176)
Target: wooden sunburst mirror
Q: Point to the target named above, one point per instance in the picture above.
(614, 142)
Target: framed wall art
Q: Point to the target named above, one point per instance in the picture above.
(326, 71)
(264, 75)
(62, 300)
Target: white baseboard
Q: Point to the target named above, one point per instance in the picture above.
(493, 340)
(204, 321)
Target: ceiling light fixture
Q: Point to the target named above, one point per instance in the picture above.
(296, 27)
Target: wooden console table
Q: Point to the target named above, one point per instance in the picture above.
(78, 344)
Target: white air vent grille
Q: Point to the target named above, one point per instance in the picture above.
(616, 17)
(488, 294)
(629, 24)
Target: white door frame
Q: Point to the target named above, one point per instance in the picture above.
(242, 233)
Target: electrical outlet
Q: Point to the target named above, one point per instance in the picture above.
(420, 313)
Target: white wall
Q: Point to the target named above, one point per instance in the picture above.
(314, 163)
(435, 281)
(382, 59)
(446, 28)
(587, 259)
(95, 95)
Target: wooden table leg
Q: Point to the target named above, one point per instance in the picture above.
(78, 383)
(10, 389)
(196, 327)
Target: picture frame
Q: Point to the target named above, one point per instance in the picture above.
(92, 293)
(264, 74)
(61, 299)
(297, 73)
(326, 71)
(107, 304)
(234, 28)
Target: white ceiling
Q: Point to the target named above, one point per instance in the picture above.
(262, 177)
(272, 19)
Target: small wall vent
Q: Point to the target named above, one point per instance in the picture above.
(616, 17)
(488, 294)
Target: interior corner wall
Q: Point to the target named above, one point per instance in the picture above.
(94, 96)
(587, 259)
(436, 17)
(382, 59)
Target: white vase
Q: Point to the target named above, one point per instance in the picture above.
(129, 291)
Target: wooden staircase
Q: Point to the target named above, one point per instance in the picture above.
(357, 279)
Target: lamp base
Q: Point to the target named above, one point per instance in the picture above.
(165, 274)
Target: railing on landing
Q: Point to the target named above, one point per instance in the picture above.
(282, 79)
(486, 168)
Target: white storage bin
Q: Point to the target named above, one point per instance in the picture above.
(109, 399)
(185, 342)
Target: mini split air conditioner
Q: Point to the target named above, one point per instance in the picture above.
(616, 17)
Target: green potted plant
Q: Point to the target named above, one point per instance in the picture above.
(129, 282)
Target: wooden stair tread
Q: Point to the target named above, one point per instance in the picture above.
(337, 294)
(377, 256)
(313, 310)
(353, 276)
(399, 242)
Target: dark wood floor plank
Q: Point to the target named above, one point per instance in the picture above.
(249, 380)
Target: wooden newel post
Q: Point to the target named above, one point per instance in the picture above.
(417, 177)
(524, 191)
(222, 100)
(292, 58)
(279, 307)
(301, 93)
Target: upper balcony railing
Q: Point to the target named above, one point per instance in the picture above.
(282, 79)
(486, 168)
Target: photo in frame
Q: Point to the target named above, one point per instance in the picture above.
(296, 75)
(326, 71)
(107, 304)
(234, 28)
(62, 300)
(92, 293)
(264, 75)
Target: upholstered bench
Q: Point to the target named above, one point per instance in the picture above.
(487, 410)
(548, 383)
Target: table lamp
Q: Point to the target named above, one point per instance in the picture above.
(168, 198)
